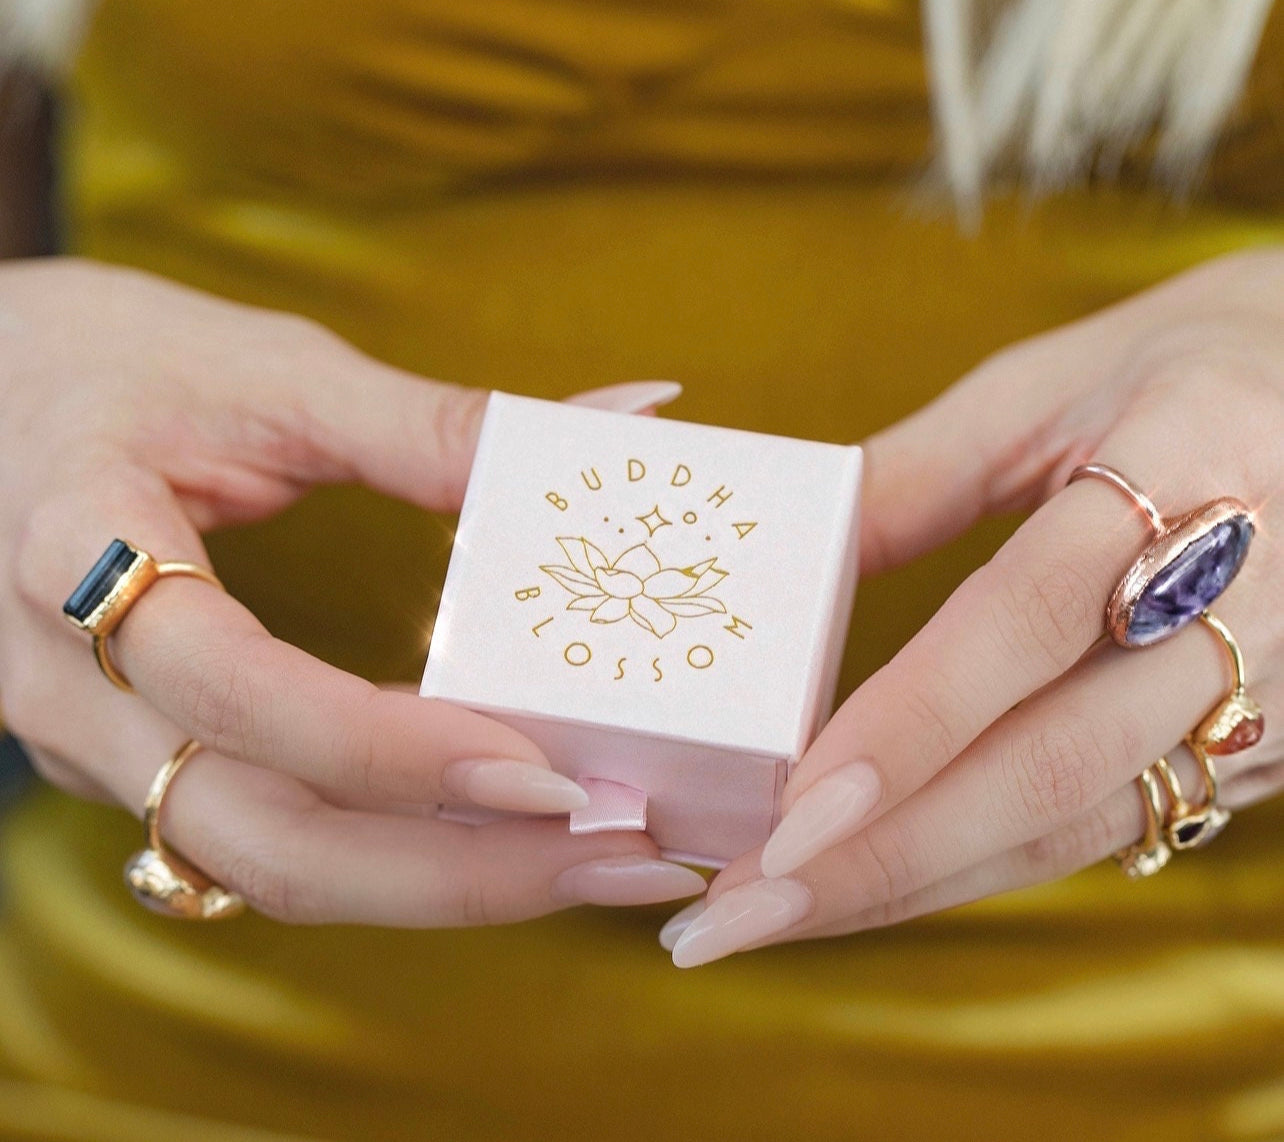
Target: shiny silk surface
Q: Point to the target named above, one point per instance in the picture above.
(543, 195)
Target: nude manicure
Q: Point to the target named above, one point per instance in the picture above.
(679, 923)
(626, 880)
(518, 786)
(830, 811)
(741, 917)
(632, 396)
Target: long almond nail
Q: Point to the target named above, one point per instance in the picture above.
(829, 812)
(678, 923)
(626, 880)
(741, 917)
(518, 786)
(632, 396)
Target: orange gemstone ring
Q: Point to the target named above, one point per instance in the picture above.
(1237, 722)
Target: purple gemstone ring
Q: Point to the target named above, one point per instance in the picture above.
(1187, 565)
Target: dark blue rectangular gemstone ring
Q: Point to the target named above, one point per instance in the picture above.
(102, 579)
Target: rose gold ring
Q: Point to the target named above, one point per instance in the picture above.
(1183, 569)
(114, 584)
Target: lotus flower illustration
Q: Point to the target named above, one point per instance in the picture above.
(636, 586)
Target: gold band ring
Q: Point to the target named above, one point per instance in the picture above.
(161, 880)
(114, 584)
(1152, 852)
(1189, 826)
(1237, 722)
(1185, 567)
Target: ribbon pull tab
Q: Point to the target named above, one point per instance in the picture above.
(612, 807)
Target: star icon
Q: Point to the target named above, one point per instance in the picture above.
(653, 521)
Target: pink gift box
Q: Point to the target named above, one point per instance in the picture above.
(660, 606)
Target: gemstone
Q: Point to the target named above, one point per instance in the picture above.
(1196, 831)
(1247, 732)
(1188, 583)
(1190, 832)
(1138, 863)
(100, 582)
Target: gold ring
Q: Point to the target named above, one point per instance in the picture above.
(114, 584)
(1183, 569)
(1237, 722)
(161, 880)
(1188, 826)
(1152, 852)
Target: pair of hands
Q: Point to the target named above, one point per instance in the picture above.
(995, 750)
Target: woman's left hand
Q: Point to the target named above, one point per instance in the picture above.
(1000, 747)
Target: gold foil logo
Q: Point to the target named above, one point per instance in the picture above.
(636, 586)
(671, 509)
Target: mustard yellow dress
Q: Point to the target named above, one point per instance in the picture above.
(544, 195)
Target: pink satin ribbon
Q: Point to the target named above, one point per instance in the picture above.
(612, 807)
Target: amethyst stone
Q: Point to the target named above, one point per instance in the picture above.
(1189, 582)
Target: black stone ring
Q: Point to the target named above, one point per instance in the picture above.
(1187, 565)
(114, 584)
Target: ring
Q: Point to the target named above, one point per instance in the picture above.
(164, 882)
(114, 584)
(1151, 853)
(1237, 722)
(1188, 826)
(1186, 566)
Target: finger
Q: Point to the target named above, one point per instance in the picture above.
(210, 668)
(295, 858)
(409, 437)
(988, 444)
(1012, 628)
(1112, 826)
(1045, 764)
(298, 857)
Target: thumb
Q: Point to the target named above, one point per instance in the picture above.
(414, 438)
(998, 440)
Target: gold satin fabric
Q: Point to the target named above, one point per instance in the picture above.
(541, 196)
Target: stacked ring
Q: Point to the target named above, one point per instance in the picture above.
(114, 584)
(1234, 724)
(161, 880)
(1152, 852)
(1188, 563)
(1183, 569)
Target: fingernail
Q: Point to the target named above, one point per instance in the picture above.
(678, 923)
(519, 786)
(829, 812)
(632, 396)
(626, 880)
(741, 917)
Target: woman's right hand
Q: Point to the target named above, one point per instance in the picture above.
(139, 409)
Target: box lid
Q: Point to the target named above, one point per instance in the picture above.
(670, 579)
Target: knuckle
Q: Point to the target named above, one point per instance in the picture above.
(272, 885)
(1049, 610)
(1086, 840)
(219, 703)
(1053, 773)
(457, 416)
(267, 888)
(362, 748)
(933, 712)
(887, 859)
(477, 906)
